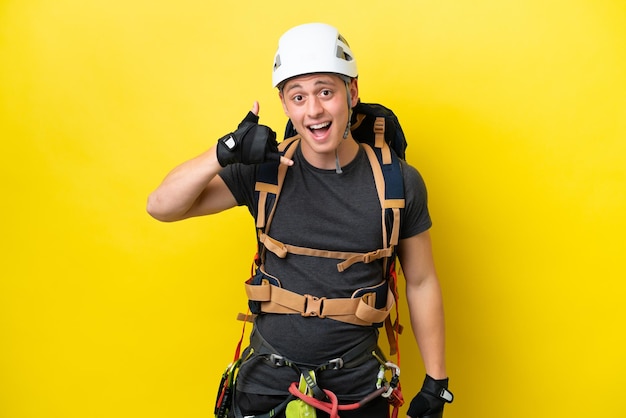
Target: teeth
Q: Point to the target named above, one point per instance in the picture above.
(319, 125)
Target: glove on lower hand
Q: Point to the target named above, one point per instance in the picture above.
(429, 402)
(251, 143)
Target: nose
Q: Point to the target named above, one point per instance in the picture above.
(314, 107)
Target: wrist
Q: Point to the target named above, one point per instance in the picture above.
(438, 388)
(437, 372)
(225, 150)
(437, 376)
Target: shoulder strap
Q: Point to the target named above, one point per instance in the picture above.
(390, 186)
(389, 183)
(270, 177)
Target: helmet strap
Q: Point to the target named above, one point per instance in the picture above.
(338, 169)
(349, 96)
(347, 131)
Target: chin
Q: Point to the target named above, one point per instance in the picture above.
(325, 147)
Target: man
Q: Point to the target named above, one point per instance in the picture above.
(328, 201)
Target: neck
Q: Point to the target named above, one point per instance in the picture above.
(346, 152)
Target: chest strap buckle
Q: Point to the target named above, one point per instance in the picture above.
(313, 306)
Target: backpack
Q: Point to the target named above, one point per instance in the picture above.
(362, 126)
(378, 128)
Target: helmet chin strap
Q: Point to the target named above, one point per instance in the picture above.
(347, 131)
(338, 169)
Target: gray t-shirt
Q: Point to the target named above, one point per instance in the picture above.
(323, 210)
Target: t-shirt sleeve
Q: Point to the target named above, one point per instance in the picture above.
(416, 218)
(240, 180)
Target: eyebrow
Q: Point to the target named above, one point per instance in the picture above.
(317, 83)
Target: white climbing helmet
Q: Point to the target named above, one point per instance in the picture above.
(312, 48)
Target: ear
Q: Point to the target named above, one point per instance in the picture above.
(354, 91)
(282, 100)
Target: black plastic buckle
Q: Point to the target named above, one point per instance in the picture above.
(335, 364)
(277, 360)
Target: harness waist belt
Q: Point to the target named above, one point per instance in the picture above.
(357, 311)
(354, 357)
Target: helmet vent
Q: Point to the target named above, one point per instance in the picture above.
(341, 54)
(277, 62)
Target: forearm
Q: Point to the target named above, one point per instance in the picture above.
(183, 187)
(427, 320)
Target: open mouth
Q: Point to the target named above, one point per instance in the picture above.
(319, 129)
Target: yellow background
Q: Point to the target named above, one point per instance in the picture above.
(516, 116)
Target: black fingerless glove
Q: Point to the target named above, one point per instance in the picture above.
(429, 402)
(251, 143)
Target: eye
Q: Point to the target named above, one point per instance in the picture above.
(326, 93)
(297, 98)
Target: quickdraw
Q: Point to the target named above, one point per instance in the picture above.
(393, 391)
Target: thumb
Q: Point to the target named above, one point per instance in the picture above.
(255, 108)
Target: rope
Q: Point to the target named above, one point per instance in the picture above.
(333, 407)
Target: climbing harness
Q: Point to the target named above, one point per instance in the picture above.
(306, 393)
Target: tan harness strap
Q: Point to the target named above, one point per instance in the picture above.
(260, 219)
(365, 258)
(395, 232)
(282, 171)
(281, 250)
(379, 181)
(265, 188)
(359, 118)
(357, 311)
(394, 204)
(379, 139)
